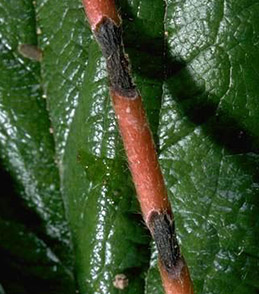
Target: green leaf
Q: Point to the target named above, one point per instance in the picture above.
(107, 230)
(35, 241)
(198, 57)
(209, 141)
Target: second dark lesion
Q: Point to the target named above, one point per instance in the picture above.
(162, 228)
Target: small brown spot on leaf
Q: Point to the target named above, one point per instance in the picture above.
(120, 281)
(30, 51)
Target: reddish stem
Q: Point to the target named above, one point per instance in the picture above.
(179, 284)
(97, 9)
(140, 149)
(141, 153)
(147, 177)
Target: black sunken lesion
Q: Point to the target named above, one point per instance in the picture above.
(163, 231)
(109, 37)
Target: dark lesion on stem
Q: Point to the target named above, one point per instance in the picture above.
(109, 37)
(162, 228)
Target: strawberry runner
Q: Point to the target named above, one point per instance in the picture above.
(139, 146)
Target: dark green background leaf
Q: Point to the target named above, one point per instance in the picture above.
(200, 59)
(209, 141)
(35, 248)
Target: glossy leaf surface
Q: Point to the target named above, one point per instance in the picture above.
(195, 63)
(209, 141)
(35, 239)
